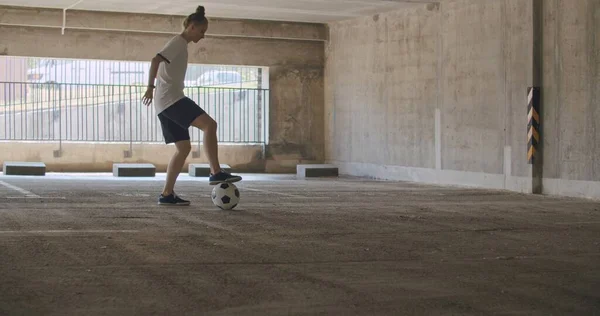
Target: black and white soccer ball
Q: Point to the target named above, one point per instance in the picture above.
(225, 196)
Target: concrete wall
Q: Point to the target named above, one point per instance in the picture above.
(432, 94)
(571, 99)
(16, 70)
(381, 89)
(438, 94)
(99, 157)
(294, 53)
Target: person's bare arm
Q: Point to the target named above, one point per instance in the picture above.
(148, 96)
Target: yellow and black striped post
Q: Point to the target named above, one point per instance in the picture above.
(533, 123)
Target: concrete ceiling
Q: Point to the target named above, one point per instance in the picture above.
(319, 11)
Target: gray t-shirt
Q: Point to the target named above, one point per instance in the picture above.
(171, 73)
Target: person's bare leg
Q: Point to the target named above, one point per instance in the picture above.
(209, 129)
(176, 164)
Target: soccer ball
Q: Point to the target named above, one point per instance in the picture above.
(225, 196)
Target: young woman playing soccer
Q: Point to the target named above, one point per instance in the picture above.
(177, 112)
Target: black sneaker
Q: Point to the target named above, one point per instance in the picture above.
(172, 199)
(223, 177)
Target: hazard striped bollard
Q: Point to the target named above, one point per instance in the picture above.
(533, 123)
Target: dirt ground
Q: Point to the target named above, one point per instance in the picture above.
(99, 245)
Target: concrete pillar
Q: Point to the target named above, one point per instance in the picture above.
(537, 171)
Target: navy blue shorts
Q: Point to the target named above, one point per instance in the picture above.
(176, 120)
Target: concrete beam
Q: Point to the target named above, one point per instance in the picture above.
(203, 169)
(152, 23)
(20, 168)
(134, 170)
(49, 43)
(316, 170)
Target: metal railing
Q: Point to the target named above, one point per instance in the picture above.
(115, 113)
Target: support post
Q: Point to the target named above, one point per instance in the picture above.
(535, 111)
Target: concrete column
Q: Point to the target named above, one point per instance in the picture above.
(537, 171)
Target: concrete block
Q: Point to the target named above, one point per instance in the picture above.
(134, 170)
(316, 170)
(203, 169)
(17, 168)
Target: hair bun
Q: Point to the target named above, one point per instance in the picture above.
(200, 10)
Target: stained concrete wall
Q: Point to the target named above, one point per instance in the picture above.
(99, 157)
(571, 84)
(294, 53)
(382, 89)
(438, 94)
(16, 69)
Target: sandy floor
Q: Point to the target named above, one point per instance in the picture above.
(98, 245)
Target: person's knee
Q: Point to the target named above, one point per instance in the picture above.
(211, 126)
(205, 123)
(183, 148)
